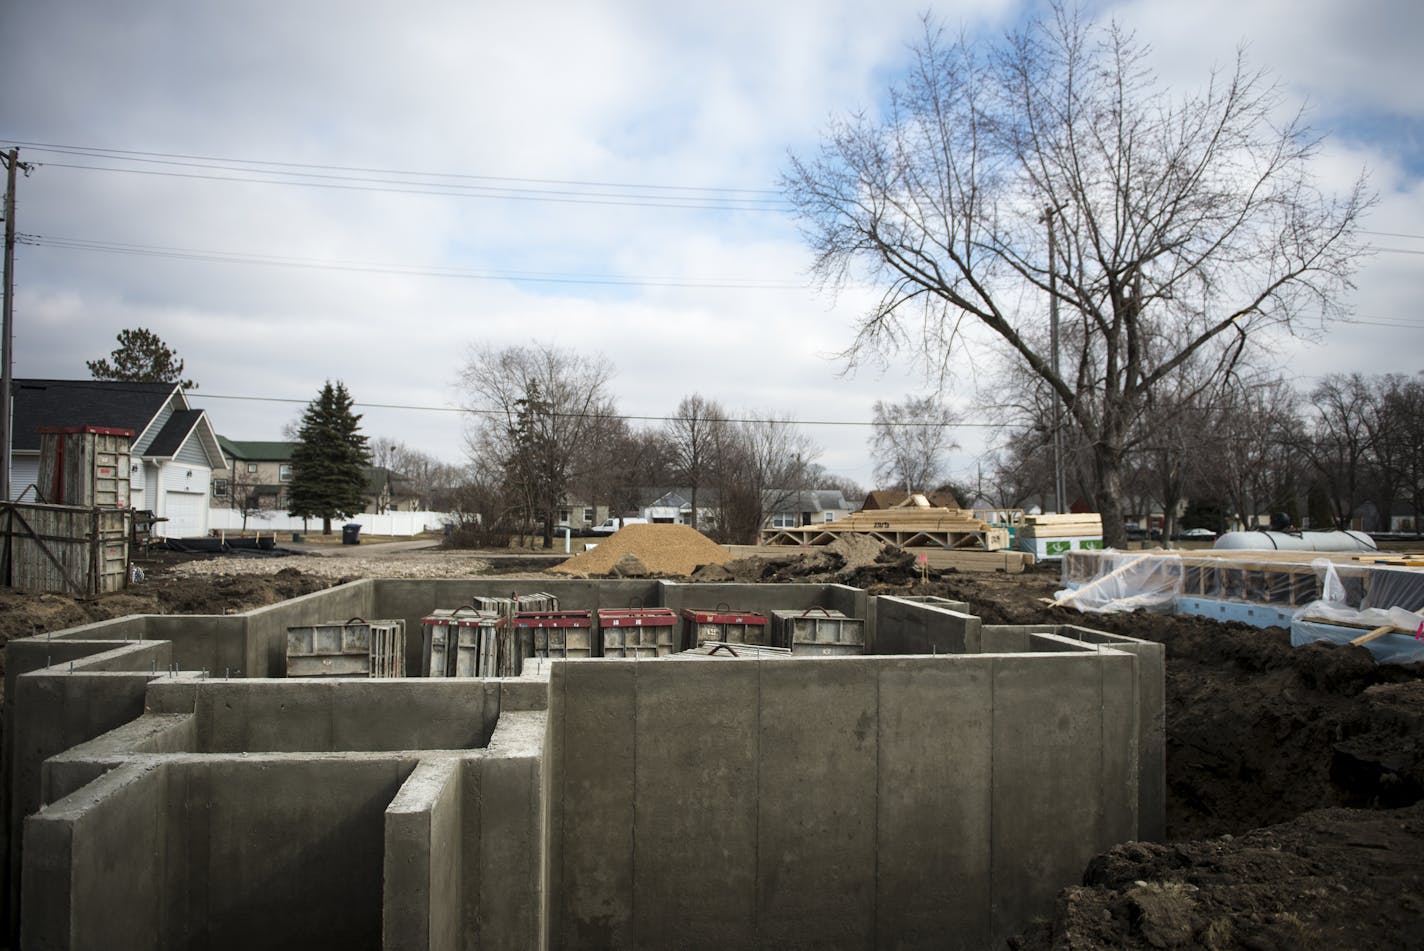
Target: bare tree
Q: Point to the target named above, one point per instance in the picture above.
(761, 464)
(534, 407)
(1253, 449)
(246, 497)
(1054, 168)
(692, 434)
(1341, 442)
(909, 441)
(1404, 409)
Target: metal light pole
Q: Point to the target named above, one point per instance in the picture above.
(1060, 488)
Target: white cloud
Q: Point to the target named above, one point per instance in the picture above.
(710, 96)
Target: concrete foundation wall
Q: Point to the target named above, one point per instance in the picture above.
(214, 852)
(890, 801)
(345, 715)
(922, 626)
(847, 801)
(1152, 710)
(97, 877)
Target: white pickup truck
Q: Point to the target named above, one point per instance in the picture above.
(611, 525)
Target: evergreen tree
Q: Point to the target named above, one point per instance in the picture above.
(141, 357)
(330, 460)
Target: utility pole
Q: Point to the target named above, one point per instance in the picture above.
(1060, 488)
(7, 328)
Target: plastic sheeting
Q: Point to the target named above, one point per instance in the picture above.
(1339, 617)
(1128, 581)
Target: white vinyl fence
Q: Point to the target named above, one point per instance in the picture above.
(391, 523)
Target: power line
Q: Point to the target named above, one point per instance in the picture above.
(623, 416)
(100, 152)
(414, 270)
(1394, 234)
(438, 184)
(450, 191)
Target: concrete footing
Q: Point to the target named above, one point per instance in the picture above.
(936, 793)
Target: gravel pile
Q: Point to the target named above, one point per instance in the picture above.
(442, 564)
(663, 549)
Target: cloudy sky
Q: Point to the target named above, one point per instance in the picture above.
(289, 192)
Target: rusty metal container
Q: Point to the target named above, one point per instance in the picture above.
(638, 632)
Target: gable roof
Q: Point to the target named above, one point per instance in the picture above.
(183, 425)
(174, 433)
(83, 403)
(249, 451)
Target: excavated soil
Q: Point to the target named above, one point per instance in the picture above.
(647, 550)
(1295, 808)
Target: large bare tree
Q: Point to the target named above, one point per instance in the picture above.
(1053, 165)
(534, 407)
(909, 441)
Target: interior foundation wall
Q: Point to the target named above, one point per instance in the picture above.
(848, 801)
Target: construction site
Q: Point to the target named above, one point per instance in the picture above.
(825, 741)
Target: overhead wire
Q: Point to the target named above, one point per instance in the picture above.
(414, 270)
(438, 184)
(197, 394)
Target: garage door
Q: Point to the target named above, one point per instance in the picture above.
(185, 512)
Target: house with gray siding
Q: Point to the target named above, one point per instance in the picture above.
(173, 455)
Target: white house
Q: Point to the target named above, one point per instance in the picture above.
(173, 455)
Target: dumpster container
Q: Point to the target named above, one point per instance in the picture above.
(351, 533)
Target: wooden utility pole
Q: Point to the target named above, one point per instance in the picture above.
(7, 334)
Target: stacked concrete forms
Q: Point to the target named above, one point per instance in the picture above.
(174, 791)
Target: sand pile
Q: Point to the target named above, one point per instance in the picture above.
(663, 549)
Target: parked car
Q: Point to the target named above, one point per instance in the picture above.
(611, 525)
(1198, 533)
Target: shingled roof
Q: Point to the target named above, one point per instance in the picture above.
(171, 437)
(83, 403)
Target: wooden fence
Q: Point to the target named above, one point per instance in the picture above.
(64, 549)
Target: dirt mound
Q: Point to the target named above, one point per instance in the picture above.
(1335, 878)
(663, 549)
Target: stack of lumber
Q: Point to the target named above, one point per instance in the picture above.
(1010, 562)
(907, 526)
(1085, 525)
(1054, 535)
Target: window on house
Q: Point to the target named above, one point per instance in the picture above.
(829, 516)
(219, 488)
(284, 472)
(588, 516)
(565, 515)
(783, 520)
(252, 467)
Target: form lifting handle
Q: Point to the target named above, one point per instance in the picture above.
(356, 620)
(817, 607)
(723, 607)
(635, 603)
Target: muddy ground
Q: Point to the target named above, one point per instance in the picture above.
(1295, 776)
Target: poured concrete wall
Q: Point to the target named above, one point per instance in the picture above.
(1152, 706)
(869, 801)
(923, 626)
(887, 801)
(214, 852)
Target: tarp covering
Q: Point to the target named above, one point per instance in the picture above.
(1128, 581)
(1337, 619)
